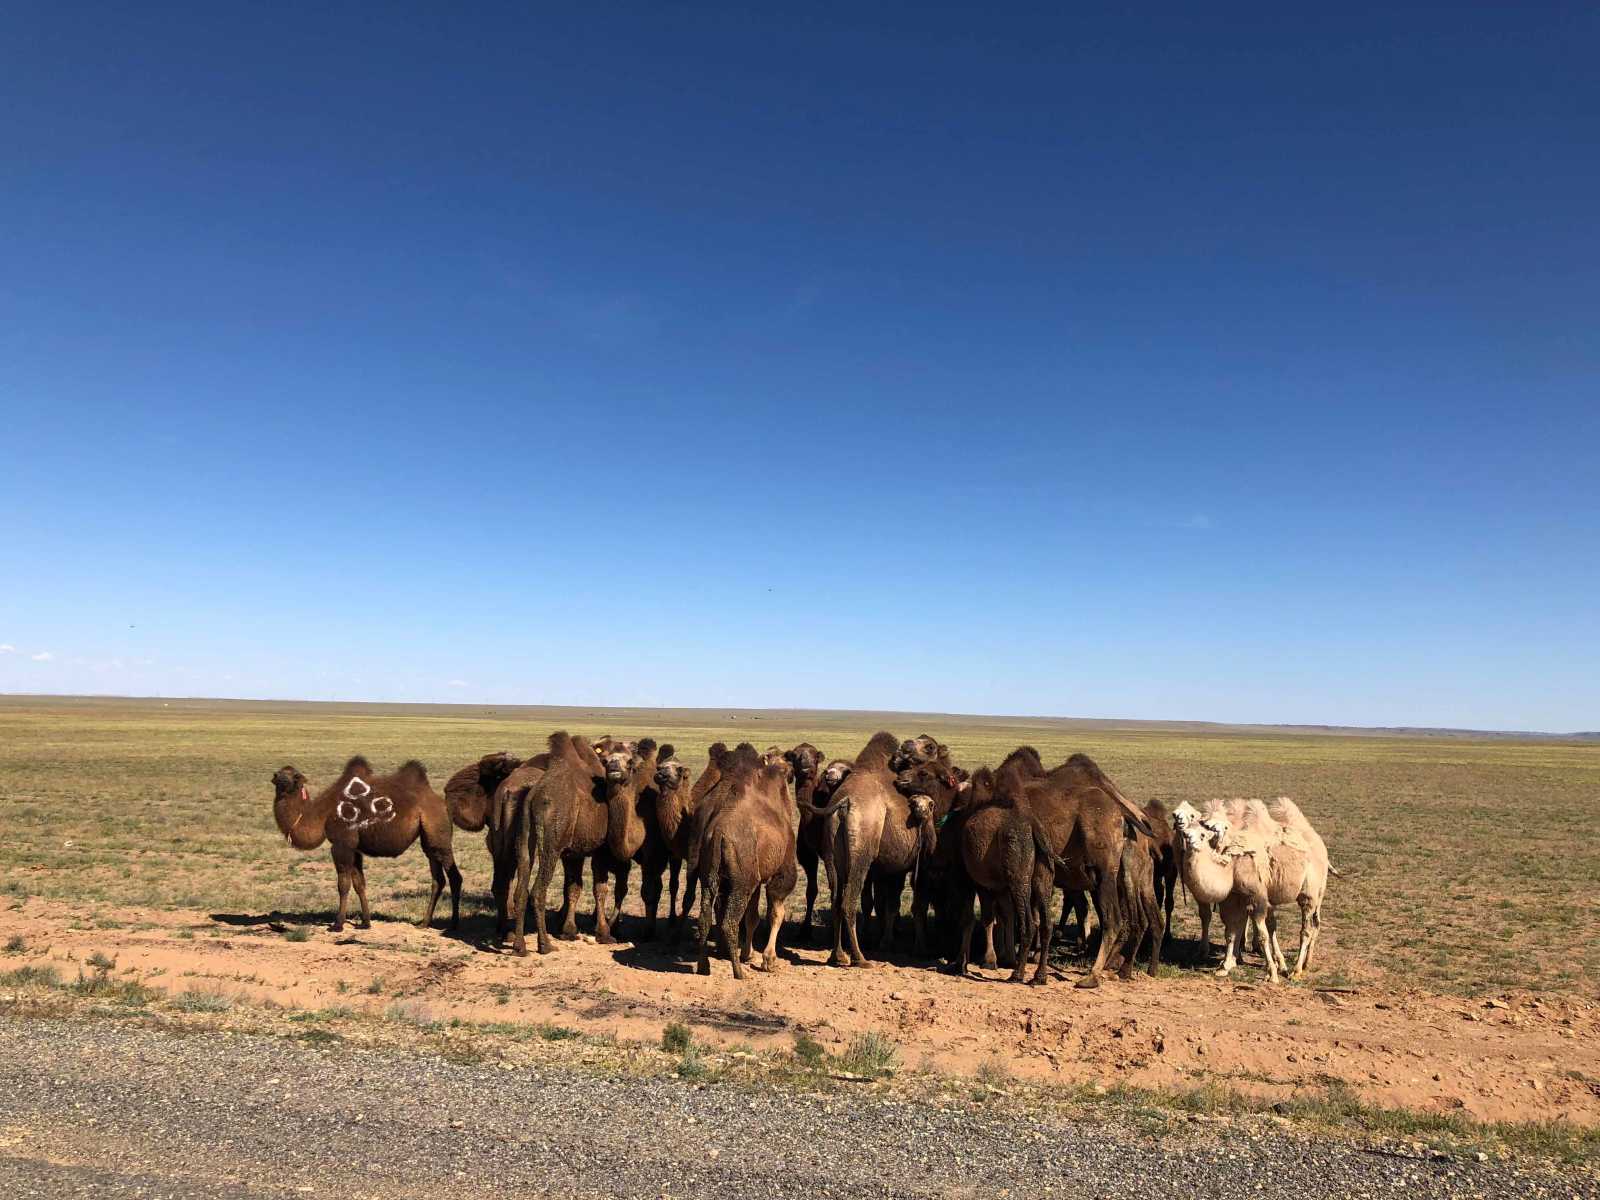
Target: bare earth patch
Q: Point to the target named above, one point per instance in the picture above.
(1516, 1057)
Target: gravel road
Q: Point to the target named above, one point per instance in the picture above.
(101, 1108)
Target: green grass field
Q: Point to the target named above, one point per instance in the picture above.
(1463, 867)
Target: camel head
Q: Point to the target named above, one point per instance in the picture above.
(915, 751)
(921, 807)
(832, 776)
(1199, 832)
(805, 760)
(287, 780)
(618, 758)
(670, 773)
(938, 781)
(777, 759)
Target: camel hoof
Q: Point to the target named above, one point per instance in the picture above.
(1222, 972)
(604, 939)
(772, 964)
(838, 960)
(1038, 981)
(520, 949)
(702, 968)
(365, 925)
(338, 927)
(1088, 981)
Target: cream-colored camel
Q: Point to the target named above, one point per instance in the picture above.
(1247, 858)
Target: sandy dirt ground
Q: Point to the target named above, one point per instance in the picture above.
(1513, 1057)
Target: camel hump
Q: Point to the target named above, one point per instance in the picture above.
(576, 751)
(878, 752)
(413, 771)
(357, 767)
(1024, 759)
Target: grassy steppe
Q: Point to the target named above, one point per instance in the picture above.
(1464, 869)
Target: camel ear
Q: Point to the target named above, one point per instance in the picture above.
(665, 752)
(644, 747)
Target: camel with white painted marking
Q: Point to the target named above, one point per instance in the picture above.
(361, 814)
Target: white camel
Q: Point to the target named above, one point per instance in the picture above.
(1247, 857)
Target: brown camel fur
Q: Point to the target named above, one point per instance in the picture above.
(879, 832)
(362, 814)
(562, 818)
(1101, 849)
(633, 831)
(675, 820)
(812, 845)
(747, 843)
(469, 792)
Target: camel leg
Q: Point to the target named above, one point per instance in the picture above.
(990, 958)
(1277, 946)
(730, 927)
(1258, 922)
(622, 872)
(343, 866)
(1158, 940)
(501, 888)
(1021, 901)
(1310, 919)
(602, 903)
(674, 866)
(707, 907)
(891, 889)
(572, 892)
(436, 870)
(1205, 930)
(1171, 896)
(969, 923)
(1043, 894)
(850, 864)
(808, 863)
(1233, 922)
(1105, 909)
(777, 907)
(747, 926)
(358, 876)
(650, 893)
(519, 893)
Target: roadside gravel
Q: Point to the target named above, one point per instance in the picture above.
(103, 1108)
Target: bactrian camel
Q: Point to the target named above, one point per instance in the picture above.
(1247, 858)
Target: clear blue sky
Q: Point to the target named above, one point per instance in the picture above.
(1187, 362)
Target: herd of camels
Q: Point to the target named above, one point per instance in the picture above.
(1004, 837)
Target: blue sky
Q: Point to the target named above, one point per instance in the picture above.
(1184, 362)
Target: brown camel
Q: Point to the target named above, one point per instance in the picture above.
(1101, 848)
(488, 795)
(561, 818)
(362, 814)
(633, 831)
(814, 786)
(747, 843)
(880, 833)
(675, 821)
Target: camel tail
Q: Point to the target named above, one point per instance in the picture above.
(1335, 872)
(1041, 848)
(827, 810)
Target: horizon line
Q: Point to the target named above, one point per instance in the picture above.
(1292, 726)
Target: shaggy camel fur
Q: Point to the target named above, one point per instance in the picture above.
(1248, 859)
(562, 818)
(880, 833)
(814, 786)
(634, 833)
(362, 814)
(747, 844)
(478, 796)
(674, 819)
(1103, 845)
